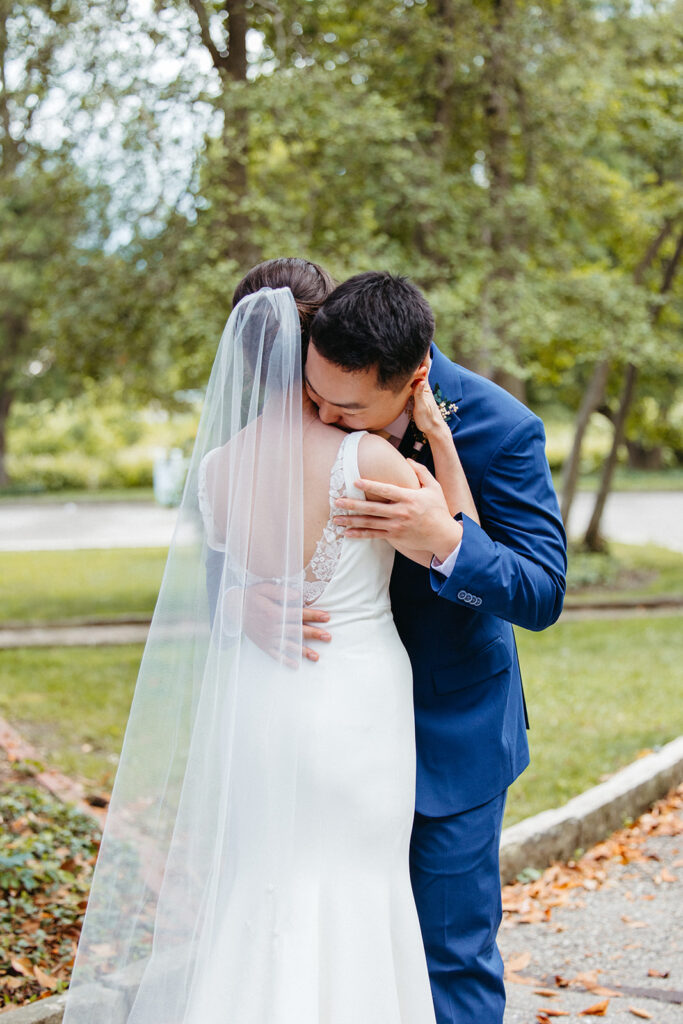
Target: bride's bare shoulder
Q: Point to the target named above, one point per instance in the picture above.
(324, 436)
(379, 460)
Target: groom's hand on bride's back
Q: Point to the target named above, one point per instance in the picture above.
(271, 619)
(313, 632)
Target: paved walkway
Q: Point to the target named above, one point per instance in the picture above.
(112, 634)
(635, 518)
(608, 937)
(654, 517)
(52, 526)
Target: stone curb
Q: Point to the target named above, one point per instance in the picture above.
(45, 1011)
(535, 842)
(555, 835)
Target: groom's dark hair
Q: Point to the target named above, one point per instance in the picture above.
(375, 319)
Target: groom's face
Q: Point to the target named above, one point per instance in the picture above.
(354, 399)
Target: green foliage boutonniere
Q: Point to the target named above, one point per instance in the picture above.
(446, 407)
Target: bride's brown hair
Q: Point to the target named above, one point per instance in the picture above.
(308, 282)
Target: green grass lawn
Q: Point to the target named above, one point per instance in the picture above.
(626, 479)
(626, 571)
(49, 585)
(598, 694)
(62, 698)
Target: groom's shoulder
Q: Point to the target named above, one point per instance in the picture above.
(479, 388)
(492, 406)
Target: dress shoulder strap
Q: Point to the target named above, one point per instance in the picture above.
(350, 462)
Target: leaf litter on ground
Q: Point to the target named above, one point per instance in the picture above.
(48, 852)
(47, 856)
(560, 885)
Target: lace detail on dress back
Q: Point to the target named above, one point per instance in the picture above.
(325, 559)
(205, 507)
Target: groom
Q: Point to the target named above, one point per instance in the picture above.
(371, 341)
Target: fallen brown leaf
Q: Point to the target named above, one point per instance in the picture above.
(589, 981)
(22, 965)
(640, 1013)
(596, 1010)
(518, 961)
(548, 992)
(554, 1013)
(654, 973)
(633, 924)
(45, 980)
(522, 979)
(666, 876)
(12, 982)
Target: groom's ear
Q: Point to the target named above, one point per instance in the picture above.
(419, 376)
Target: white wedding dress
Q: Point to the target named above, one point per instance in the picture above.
(332, 935)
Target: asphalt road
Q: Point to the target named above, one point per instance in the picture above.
(635, 518)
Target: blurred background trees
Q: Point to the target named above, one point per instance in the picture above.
(523, 163)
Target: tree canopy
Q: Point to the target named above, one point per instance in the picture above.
(523, 163)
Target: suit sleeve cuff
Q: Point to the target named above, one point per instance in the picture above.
(445, 568)
(469, 553)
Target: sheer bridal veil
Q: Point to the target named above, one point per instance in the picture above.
(198, 769)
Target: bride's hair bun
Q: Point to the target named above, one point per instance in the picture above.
(308, 282)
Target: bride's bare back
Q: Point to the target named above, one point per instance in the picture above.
(377, 460)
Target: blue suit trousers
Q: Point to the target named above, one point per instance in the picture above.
(454, 870)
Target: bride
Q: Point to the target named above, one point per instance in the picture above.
(254, 863)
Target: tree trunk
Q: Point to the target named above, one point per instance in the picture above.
(641, 457)
(444, 61)
(515, 385)
(8, 145)
(592, 540)
(228, 182)
(6, 397)
(501, 87)
(592, 398)
(239, 242)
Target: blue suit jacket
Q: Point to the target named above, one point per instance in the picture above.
(469, 705)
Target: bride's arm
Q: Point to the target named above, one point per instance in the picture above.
(447, 466)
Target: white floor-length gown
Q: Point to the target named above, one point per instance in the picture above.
(332, 936)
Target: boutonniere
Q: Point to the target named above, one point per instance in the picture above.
(446, 407)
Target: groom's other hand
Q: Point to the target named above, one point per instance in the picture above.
(314, 632)
(267, 606)
(417, 519)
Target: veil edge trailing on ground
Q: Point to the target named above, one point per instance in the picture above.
(169, 848)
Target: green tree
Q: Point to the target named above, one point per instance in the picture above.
(636, 227)
(68, 105)
(42, 199)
